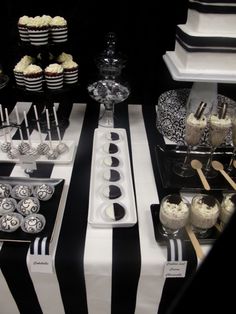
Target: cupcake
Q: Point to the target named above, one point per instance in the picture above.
(70, 72)
(33, 77)
(64, 57)
(19, 69)
(38, 29)
(58, 29)
(54, 76)
(23, 29)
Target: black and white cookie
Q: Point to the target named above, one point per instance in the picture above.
(111, 175)
(44, 192)
(112, 192)
(112, 136)
(5, 190)
(29, 205)
(114, 212)
(21, 191)
(33, 223)
(111, 161)
(110, 148)
(7, 205)
(10, 222)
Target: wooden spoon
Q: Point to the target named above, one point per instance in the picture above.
(219, 167)
(197, 165)
(234, 163)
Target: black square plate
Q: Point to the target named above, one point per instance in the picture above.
(47, 208)
(161, 239)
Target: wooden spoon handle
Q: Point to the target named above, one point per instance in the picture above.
(227, 177)
(203, 179)
(195, 242)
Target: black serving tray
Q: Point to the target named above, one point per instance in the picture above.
(213, 233)
(169, 155)
(47, 208)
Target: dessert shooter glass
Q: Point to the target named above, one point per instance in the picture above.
(233, 120)
(197, 113)
(228, 206)
(220, 125)
(204, 212)
(173, 215)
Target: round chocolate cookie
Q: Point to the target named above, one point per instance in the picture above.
(111, 161)
(110, 148)
(44, 192)
(112, 192)
(5, 190)
(114, 211)
(111, 175)
(112, 136)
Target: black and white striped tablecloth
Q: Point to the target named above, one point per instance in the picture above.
(97, 271)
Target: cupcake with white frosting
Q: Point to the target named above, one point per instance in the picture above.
(58, 29)
(23, 29)
(33, 77)
(54, 76)
(19, 69)
(38, 29)
(70, 72)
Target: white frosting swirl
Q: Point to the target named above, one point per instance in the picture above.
(192, 120)
(32, 69)
(23, 20)
(54, 68)
(64, 57)
(224, 123)
(23, 63)
(37, 22)
(69, 64)
(58, 21)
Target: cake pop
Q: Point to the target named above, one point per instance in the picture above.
(23, 147)
(5, 146)
(61, 147)
(13, 153)
(32, 151)
(52, 153)
(42, 148)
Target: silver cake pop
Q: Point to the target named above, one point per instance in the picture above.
(61, 147)
(43, 149)
(23, 148)
(13, 153)
(32, 152)
(52, 154)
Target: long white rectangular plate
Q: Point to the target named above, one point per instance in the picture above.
(64, 158)
(98, 202)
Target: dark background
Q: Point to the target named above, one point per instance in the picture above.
(145, 31)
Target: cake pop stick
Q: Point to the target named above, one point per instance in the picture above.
(42, 148)
(6, 146)
(52, 154)
(13, 152)
(23, 147)
(32, 151)
(61, 147)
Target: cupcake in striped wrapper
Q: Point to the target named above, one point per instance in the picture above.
(54, 76)
(23, 29)
(19, 69)
(58, 29)
(38, 29)
(33, 77)
(70, 72)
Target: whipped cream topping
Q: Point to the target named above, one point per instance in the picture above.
(23, 20)
(227, 207)
(69, 64)
(37, 21)
(64, 57)
(216, 121)
(33, 69)
(46, 18)
(192, 120)
(23, 63)
(58, 21)
(54, 68)
(203, 209)
(176, 211)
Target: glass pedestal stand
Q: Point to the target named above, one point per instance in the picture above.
(107, 117)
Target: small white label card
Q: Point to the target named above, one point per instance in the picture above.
(175, 269)
(41, 263)
(28, 162)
